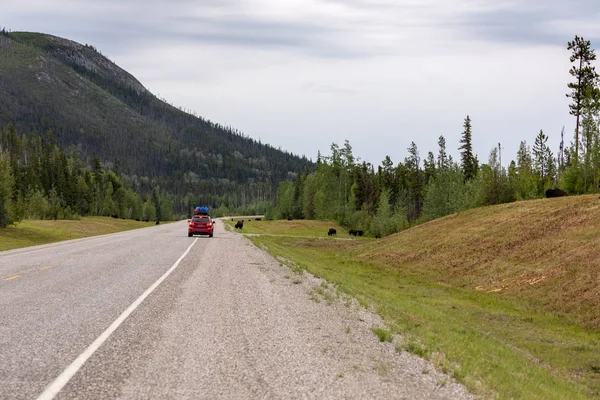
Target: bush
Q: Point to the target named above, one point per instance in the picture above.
(388, 220)
(37, 206)
(360, 220)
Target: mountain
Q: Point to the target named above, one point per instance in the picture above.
(87, 102)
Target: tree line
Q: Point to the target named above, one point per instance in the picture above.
(391, 197)
(38, 180)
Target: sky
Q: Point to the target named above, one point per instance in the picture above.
(303, 74)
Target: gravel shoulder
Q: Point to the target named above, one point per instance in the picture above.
(234, 323)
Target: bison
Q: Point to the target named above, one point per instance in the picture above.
(353, 232)
(239, 224)
(556, 192)
(257, 219)
(331, 232)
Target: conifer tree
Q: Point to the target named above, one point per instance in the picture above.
(442, 161)
(429, 167)
(585, 76)
(6, 190)
(469, 164)
(414, 183)
(542, 159)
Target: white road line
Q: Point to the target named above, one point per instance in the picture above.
(56, 386)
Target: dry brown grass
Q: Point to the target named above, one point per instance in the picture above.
(545, 251)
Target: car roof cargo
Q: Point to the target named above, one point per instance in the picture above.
(201, 210)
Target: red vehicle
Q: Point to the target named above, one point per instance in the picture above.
(200, 225)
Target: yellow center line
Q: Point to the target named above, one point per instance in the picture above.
(12, 277)
(49, 266)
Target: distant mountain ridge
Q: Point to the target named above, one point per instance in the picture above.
(53, 84)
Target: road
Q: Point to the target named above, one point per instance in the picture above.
(152, 313)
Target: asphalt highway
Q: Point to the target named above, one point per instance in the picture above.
(55, 300)
(151, 313)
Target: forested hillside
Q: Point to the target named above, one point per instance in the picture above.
(381, 200)
(38, 180)
(53, 85)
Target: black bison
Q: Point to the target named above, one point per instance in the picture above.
(360, 233)
(289, 218)
(353, 232)
(239, 224)
(556, 192)
(331, 232)
(257, 219)
(157, 223)
(231, 219)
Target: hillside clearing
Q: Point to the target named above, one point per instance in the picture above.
(305, 228)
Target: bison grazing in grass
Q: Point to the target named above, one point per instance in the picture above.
(331, 232)
(352, 232)
(239, 224)
(556, 192)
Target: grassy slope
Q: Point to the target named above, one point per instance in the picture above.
(31, 233)
(505, 298)
(543, 251)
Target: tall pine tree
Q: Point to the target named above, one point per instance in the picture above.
(469, 164)
(585, 76)
(543, 161)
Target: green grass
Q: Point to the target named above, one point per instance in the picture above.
(34, 39)
(499, 346)
(382, 334)
(289, 228)
(33, 232)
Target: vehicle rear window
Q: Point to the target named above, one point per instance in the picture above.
(201, 219)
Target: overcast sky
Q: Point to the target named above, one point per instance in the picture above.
(301, 74)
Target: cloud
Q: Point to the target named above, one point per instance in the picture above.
(531, 22)
(318, 28)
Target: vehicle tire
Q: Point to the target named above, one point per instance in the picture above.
(189, 234)
(210, 235)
